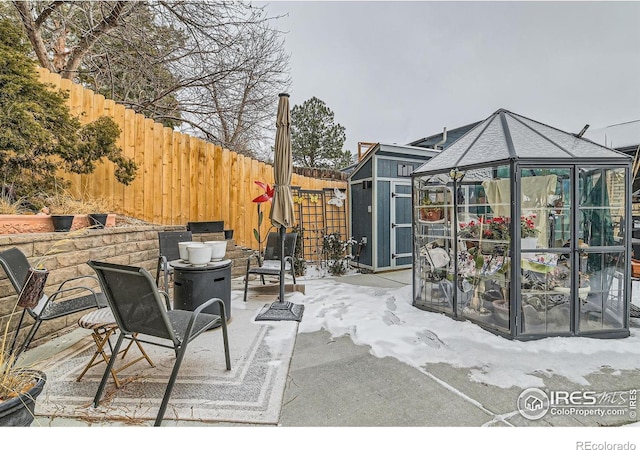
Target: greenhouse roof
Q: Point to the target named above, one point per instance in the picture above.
(505, 135)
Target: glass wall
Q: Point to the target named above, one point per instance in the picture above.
(433, 241)
(484, 247)
(571, 248)
(601, 215)
(546, 269)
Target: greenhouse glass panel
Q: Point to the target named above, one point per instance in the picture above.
(530, 144)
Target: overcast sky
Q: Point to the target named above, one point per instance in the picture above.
(395, 72)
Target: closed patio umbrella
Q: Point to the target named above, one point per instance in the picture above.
(282, 213)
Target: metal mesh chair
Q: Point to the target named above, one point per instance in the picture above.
(270, 263)
(138, 307)
(16, 266)
(168, 245)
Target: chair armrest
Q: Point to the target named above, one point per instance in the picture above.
(198, 310)
(166, 299)
(80, 278)
(258, 258)
(60, 291)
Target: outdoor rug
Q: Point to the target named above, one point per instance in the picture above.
(251, 392)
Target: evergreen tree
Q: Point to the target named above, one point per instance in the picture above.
(38, 135)
(316, 140)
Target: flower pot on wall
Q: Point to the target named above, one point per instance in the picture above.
(62, 223)
(228, 234)
(19, 411)
(98, 220)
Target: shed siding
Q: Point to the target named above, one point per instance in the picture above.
(388, 168)
(364, 172)
(361, 225)
(383, 223)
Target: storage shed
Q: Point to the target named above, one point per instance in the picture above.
(533, 232)
(380, 205)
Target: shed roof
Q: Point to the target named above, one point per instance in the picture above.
(452, 136)
(505, 135)
(405, 151)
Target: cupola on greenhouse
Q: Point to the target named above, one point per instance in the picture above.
(525, 230)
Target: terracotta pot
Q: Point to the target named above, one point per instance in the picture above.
(431, 215)
(471, 244)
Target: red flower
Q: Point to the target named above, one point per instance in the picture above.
(268, 193)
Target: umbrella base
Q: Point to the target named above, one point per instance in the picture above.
(281, 311)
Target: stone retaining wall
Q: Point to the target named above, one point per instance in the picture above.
(69, 253)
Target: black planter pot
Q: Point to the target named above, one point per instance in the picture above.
(228, 234)
(62, 223)
(19, 411)
(98, 220)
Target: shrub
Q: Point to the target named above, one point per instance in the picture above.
(38, 134)
(336, 253)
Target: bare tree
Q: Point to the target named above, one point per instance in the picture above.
(214, 68)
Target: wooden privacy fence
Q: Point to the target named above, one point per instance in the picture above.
(180, 178)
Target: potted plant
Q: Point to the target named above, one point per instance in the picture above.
(528, 232)
(432, 210)
(63, 207)
(98, 220)
(96, 211)
(19, 386)
(491, 234)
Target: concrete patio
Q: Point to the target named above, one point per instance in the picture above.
(334, 383)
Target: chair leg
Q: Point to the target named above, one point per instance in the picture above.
(29, 338)
(17, 333)
(172, 380)
(246, 285)
(166, 280)
(101, 337)
(107, 371)
(142, 351)
(225, 338)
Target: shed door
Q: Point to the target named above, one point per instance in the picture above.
(401, 224)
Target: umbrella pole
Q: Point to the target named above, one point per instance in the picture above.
(282, 264)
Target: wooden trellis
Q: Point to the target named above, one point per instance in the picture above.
(317, 217)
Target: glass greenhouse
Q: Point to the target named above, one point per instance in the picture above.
(524, 229)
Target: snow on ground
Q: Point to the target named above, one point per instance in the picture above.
(385, 320)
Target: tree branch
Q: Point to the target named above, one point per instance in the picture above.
(90, 37)
(33, 33)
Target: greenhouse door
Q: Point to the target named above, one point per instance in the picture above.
(401, 239)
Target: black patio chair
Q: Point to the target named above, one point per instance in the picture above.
(138, 307)
(169, 251)
(270, 263)
(62, 302)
